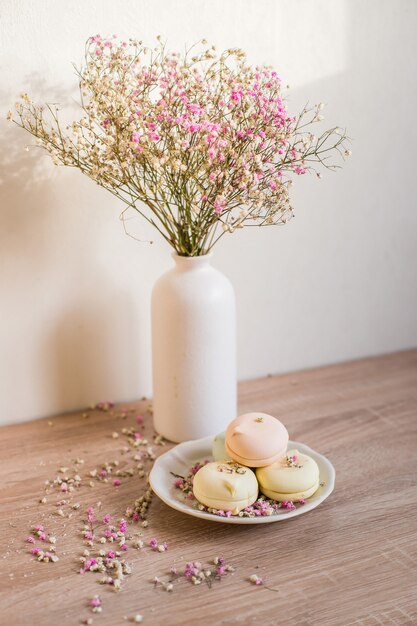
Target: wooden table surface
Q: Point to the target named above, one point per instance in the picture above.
(353, 560)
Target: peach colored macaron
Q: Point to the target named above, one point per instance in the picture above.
(256, 439)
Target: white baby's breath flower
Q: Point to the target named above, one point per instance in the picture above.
(146, 147)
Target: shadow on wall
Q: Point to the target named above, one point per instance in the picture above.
(87, 353)
(25, 198)
(68, 297)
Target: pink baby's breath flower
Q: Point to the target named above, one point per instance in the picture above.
(287, 505)
(223, 134)
(104, 405)
(139, 419)
(117, 482)
(237, 95)
(90, 514)
(195, 468)
(189, 570)
(30, 540)
(219, 204)
(90, 563)
(123, 526)
(256, 580)
(106, 519)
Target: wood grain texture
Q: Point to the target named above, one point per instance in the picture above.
(352, 561)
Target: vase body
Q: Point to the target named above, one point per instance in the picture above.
(193, 350)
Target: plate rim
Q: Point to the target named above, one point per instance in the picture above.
(182, 507)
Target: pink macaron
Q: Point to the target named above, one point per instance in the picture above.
(256, 439)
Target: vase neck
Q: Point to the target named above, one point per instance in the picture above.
(189, 263)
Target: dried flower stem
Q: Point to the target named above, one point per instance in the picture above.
(199, 144)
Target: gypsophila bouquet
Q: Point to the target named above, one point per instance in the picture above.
(197, 143)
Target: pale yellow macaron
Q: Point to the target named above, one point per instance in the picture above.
(292, 478)
(256, 439)
(219, 450)
(226, 486)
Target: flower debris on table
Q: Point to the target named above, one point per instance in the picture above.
(259, 581)
(95, 604)
(106, 544)
(107, 541)
(196, 573)
(44, 555)
(110, 563)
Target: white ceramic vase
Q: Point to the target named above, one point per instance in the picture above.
(193, 350)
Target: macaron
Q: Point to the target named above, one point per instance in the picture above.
(218, 449)
(291, 478)
(226, 486)
(256, 439)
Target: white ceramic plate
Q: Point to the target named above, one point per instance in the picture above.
(180, 458)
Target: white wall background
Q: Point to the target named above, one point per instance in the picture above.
(336, 283)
